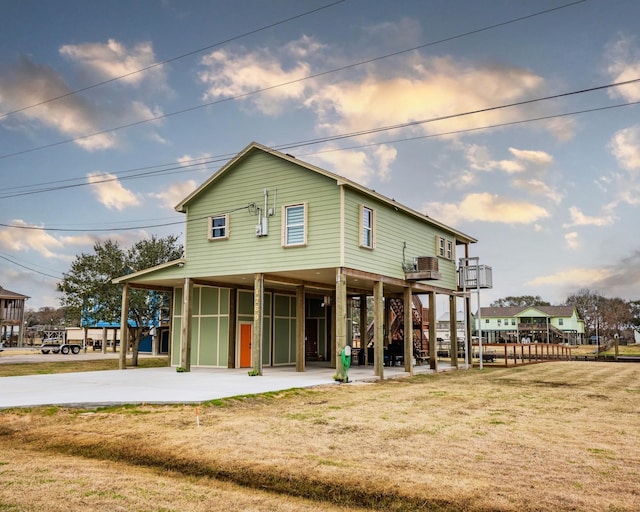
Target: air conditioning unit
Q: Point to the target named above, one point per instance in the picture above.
(426, 264)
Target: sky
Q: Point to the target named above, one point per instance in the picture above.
(511, 128)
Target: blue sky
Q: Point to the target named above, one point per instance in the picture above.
(554, 202)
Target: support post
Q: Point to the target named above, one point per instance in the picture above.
(378, 329)
(341, 319)
(124, 327)
(408, 330)
(453, 330)
(103, 348)
(185, 331)
(433, 349)
(258, 323)
(300, 330)
(231, 342)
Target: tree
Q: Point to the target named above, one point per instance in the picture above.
(89, 293)
(524, 301)
(586, 302)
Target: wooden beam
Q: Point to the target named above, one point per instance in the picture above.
(453, 330)
(340, 319)
(231, 342)
(124, 328)
(258, 323)
(185, 331)
(378, 329)
(300, 329)
(433, 349)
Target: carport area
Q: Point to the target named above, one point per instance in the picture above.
(166, 386)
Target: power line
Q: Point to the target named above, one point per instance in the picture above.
(320, 140)
(29, 268)
(172, 59)
(282, 84)
(406, 139)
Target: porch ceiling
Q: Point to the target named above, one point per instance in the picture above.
(321, 280)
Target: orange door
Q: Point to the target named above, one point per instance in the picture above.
(246, 333)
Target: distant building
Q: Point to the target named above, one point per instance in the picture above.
(11, 317)
(536, 324)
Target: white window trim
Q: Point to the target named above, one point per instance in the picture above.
(445, 248)
(210, 236)
(361, 211)
(284, 225)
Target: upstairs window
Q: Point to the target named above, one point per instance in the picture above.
(444, 248)
(367, 227)
(295, 225)
(219, 227)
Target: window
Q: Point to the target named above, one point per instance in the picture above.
(219, 227)
(294, 226)
(444, 248)
(513, 321)
(486, 321)
(367, 226)
(560, 321)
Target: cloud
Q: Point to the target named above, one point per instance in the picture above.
(28, 239)
(357, 165)
(623, 58)
(530, 161)
(26, 83)
(228, 74)
(580, 219)
(574, 277)
(573, 240)
(113, 59)
(538, 188)
(486, 207)
(110, 192)
(625, 147)
(620, 279)
(371, 96)
(175, 193)
(200, 162)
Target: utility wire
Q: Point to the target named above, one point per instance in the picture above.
(130, 228)
(283, 84)
(29, 268)
(406, 139)
(332, 138)
(172, 59)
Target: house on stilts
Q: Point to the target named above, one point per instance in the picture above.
(278, 251)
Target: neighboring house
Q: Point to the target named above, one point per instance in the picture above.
(275, 248)
(536, 324)
(11, 317)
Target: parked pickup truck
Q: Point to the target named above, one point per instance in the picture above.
(59, 345)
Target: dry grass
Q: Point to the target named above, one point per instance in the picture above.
(73, 366)
(548, 437)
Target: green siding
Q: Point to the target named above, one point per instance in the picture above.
(392, 229)
(243, 252)
(209, 342)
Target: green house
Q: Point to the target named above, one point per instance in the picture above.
(275, 250)
(536, 324)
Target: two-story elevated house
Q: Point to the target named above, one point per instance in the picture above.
(11, 317)
(535, 324)
(275, 248)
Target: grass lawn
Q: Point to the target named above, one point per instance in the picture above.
(72, 365)
(561, 436)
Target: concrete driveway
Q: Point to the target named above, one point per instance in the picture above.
(164, 385)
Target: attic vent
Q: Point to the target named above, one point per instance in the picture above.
(426, 264)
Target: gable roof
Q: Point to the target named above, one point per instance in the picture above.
(8, 294)
(340, 180)
(511, 311)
